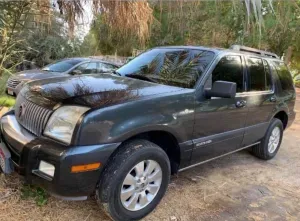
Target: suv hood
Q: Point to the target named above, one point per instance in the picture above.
(91, 90)
(36, 74)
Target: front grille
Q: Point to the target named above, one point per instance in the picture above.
(31, 116)
(13, 83)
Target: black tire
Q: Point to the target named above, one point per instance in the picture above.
(261, 150)
(130, 154)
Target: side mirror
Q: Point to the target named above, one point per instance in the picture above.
(223, 89)
(76, 72)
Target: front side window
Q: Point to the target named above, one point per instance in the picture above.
(81, 67)
(229, 68)
(91, 68)
(62, 66)
(175, 67)
(259, 75)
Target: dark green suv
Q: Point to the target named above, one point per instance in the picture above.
(121, 135)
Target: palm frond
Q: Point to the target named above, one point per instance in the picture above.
(72, 11)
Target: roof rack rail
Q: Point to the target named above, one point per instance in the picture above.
(254, 51)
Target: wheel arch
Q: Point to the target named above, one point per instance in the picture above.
(162, 138)
(282, 116)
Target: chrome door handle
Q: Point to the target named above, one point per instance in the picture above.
(240, 103)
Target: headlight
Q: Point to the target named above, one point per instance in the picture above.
(63, 121)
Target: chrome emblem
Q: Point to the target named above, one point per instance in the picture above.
(203, 143)
(21, 110)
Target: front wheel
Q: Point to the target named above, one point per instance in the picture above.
(135, 180)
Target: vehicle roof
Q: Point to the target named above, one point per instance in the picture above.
(81, 59)
(218, 51)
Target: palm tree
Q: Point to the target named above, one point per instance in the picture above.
(126, 16)
(135, 16)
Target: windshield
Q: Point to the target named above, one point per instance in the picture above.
(62, 66)
(175, 67)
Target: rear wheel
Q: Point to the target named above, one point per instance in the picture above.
(270, 144)
(135, 180)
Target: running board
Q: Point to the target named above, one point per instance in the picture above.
(197, 164)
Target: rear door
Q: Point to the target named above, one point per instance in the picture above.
(260, 97)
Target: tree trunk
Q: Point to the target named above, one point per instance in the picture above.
(288, 55)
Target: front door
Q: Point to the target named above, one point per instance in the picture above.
(219, 122)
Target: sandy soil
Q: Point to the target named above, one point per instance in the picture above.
(236, 187)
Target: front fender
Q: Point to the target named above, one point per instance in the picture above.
(174, 114)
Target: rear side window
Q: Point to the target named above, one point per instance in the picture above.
(268, 75)
(259, 75)
(106, 67)
(229, 69)
(284, 75)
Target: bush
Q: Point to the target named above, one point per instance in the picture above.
(3, 80)
(7, 101)
(297, 84)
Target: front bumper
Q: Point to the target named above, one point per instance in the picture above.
(28, 150)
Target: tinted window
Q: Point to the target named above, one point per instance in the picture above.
(91, 68)
(284, 76)
(259, 79)
(268, 75)
(176, 67)
(229, 69)
(61, 66)
(106, 67)
(82, 67)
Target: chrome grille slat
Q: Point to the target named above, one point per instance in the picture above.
(13, 83)
(34, 117)
(45, 121)
(29, 111)
(35, 121)
(39, 118)
(26, 116)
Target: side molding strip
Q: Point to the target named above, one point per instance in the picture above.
(197, 164)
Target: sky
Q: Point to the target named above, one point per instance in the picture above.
(83, 26)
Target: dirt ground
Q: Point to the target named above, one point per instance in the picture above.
(236, 187)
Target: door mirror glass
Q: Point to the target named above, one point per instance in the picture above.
(76, 72)
(222, 89)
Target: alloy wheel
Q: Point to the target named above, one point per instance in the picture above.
(141, 185)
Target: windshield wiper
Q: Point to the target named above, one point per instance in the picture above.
(141, 77)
